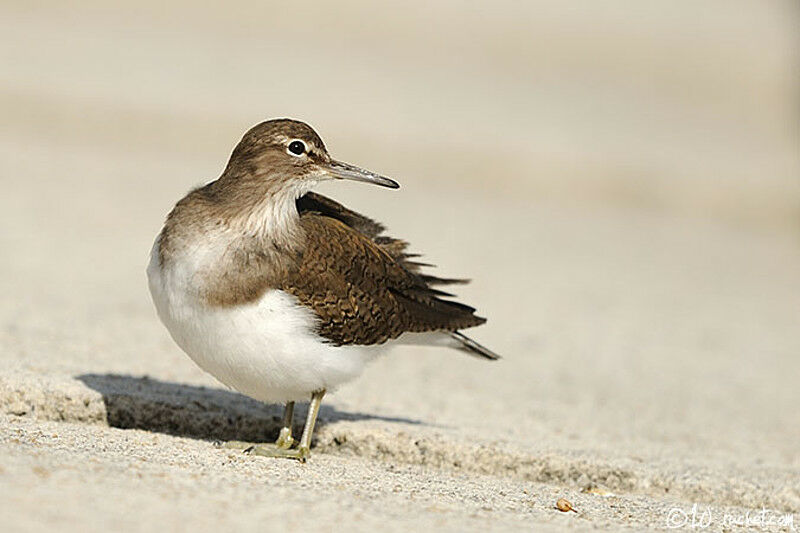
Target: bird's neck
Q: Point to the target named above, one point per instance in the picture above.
(262, 208)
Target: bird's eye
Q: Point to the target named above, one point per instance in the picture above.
(297, 148)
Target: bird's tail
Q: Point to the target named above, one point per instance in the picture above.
(468, 345)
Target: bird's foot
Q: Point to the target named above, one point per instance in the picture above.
(286, 446)
(285, 440)
(235, 444)
(301, 453)
(281, 448)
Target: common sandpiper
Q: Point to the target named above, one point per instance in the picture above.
(283, 294)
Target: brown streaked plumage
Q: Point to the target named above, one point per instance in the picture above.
(359, 282)
(276, 290)
(362, 293)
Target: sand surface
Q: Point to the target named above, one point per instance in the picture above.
(646, 305)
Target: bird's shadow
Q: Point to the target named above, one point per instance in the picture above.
(200, 412)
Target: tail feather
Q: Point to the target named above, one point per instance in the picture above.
(473, 348)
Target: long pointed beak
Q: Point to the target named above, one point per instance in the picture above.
(346, 171)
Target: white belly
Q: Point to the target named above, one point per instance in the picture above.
(267, 349)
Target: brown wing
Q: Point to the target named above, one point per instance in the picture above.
(317, 203)
(397, 248)
(362, 292)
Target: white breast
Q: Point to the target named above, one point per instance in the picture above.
(267, 349)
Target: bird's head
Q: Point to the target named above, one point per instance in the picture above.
(289, 152)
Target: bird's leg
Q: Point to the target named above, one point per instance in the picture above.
(311, 420)
(284, 440)
(302, 452)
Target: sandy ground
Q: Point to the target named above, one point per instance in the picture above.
(648, 315)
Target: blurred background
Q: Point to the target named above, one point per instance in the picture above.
(620, 179)
(688, 107)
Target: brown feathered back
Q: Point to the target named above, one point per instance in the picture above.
(361, 284)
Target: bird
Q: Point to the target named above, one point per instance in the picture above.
(282, 293)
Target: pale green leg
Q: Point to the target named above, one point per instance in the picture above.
(283, 446)
(302, 452)
(284, 440)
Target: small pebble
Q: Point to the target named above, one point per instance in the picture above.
(564, 506)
